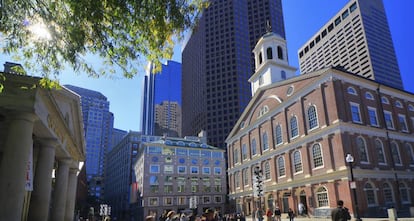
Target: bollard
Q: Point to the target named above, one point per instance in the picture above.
(392, 214)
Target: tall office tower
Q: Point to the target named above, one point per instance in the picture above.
(357, 39)
(218, 61)
(168, 119)
(161, 88)
(98, 124)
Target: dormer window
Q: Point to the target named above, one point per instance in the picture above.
(260, 58)
(385, 100)
(269, 53)
(279, 53)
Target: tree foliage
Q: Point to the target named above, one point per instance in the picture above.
(125, 33)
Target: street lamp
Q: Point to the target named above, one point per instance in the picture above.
(350, 159)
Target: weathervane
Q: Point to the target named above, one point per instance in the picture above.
(268, 26)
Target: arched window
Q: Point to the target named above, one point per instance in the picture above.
(278, 134)
(369, 96)
(385, 100)
(317, 156)
(283, 75)
(236, 155)
(398, 104)
(410, 152)
(395, 153)
(281, 166)
(388, 196)
(322, 197)
(370, 195)
(297, 161)
(245, 177)
(294, 131)
(267, 170)
(265, 142)
(312, 117)
(362, 149)
(404, 193)
(279, 52)
(270, 202)
(352, 91)
(260, 58)
(269, 53)
(379, 149)
(410, 107)
(253, 147)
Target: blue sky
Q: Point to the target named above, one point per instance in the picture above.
(303, 18)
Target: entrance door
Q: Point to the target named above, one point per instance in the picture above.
(285, 202)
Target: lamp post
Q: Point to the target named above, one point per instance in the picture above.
(350, 159)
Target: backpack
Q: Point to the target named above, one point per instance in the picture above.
(345, 214)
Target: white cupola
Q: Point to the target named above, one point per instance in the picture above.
(271, 61)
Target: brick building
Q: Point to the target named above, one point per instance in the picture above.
(299, 130)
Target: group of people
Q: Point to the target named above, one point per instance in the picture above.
(208, 215)
(340, 213)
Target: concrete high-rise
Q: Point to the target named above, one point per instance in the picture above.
(98, 124)
(162, 89)
(168, 119)
(218, 61)
(357, 39)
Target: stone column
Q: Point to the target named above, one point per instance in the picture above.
(71, 195)
(60, 191)
(42, 186)
(13, 168)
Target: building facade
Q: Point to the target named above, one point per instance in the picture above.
(180, 174)
(357, 38)
(168, 119)
(120, 176)
(299, 131)
(41, 132)
(162, 91)
(98, 124)
(217, 62)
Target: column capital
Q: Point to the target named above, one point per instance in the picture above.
(31, 117)
(64, 161)
(47, 142)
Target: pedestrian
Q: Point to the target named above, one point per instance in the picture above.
(170, 215)
(277, 213)
(208, 215)
(269, 214)
(340, 213)
(259, 214)
(291, 214)
(301, 209)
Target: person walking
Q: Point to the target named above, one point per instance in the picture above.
(301, 209)
(291, 214)
(269, 214)
(340, 213)
(277, 213)
(259, 214)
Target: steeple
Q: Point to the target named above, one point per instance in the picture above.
(271, 61)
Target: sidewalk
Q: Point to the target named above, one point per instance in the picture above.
(327, 219)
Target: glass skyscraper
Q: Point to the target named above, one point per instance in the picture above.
(162, 101)
(98, 124)
(218, 61)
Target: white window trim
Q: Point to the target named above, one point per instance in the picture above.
(191, 170)
(154, 165)
(359, 112)
(405, 122)
(209, 173)
(376, 116)
(392, 120)
(317, 119)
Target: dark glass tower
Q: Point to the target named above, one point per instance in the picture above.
(162, 101)
(98, 124)
(218, 61)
